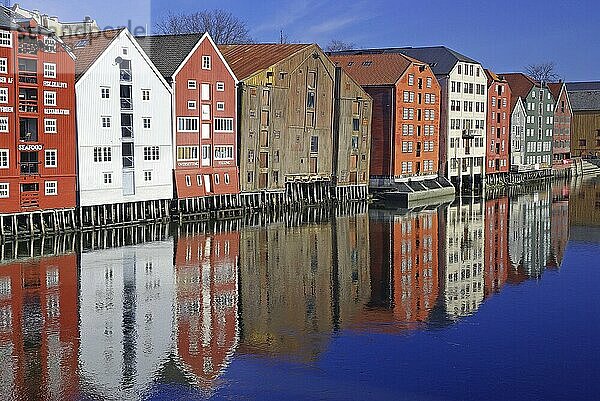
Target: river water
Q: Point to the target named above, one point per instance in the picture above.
(483, 299)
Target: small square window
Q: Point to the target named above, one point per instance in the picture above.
(192, 84)
(220, 86)
(105, 92)
(106, 121)
(50, 126)
(147, 122)
(51, 188)
(49, 98)
(3, 124)
(4, 95)
(148, 175)
(125, 51)
(3, 65)
(220, 106)
(50, 158)
(4, 190)
(107, 178)
(191, 104)
(49, 70)
(145, 95)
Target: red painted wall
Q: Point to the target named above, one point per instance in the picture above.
(63, 141)
(498, 126)
(192, 70)
(497, 262)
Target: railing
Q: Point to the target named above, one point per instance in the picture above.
(30, 199)
(28, 106)
(126, 104)
(126, 131)
(28, 77)
(127, 161)
(125, 75)
(29, 168)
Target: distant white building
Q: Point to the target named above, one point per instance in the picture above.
(124, 129)
(59, 28)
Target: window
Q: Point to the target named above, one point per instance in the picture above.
(411, 79)
(51, 188)
(3, 158)
(206, 155)
(5, 39)
(199, 180)
(3, 95)
(314, 144)
(49, 98)
(191, 104)
(205, 131)
(187, 153)
(151, 153)
(206, 63)
(206, 112)
(107, 178)
(50, 159)
(188, 181)
(187, 124)
(145, 95)
(223, 152)
(125, 51)
(226, 178)
(220, 106)
(191, 84)
(148, 175)
(217, 179)
(3, 66)
(3, 124)
(102, 154)
(223, 124)
(4, 190)
(220, 86)
(49, 70)
(205, 91)
(106, 121)
(105, 92)
(146, 122)
(428, 82)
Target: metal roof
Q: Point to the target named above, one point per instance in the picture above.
(167, 52)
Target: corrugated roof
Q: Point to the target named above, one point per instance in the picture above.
(247, 60)
(440, 58)
(89, 47)
(167, 52)
(374, 69)
(585, 100)
(520, 86)
(583, 86)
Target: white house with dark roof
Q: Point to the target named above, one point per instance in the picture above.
(124, 131)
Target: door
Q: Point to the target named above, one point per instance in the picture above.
(128, 183)
(207, 186)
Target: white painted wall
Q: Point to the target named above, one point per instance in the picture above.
(459, 152)
(517, 129)
(90, 109)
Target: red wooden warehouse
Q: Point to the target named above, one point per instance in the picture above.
(498, 136)
(37, 119)
(204, 117)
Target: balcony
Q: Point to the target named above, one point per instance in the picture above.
(28, 78)
(125, 71)
(126, 132)
(126, 104)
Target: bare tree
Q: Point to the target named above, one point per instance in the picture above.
(336, 45)
(543, 72)
(223, 26)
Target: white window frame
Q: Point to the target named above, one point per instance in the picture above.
(205, 92)
(107, 177)
(205, 131)
(104, 90)
(192, 105)
(146, 122)
(192, 148)
(194, 121)
(51, 188)
(221, 124)
(49, 98)
(192, 84)
(146, 96)
(49, 160)
(4, 154)
(4, 190)
(220, 86)
(3, 95)
(206, 155)
(4, 124)
(50, 126)
(49, 70)
(147, 175)
(5, 38)
(206, 62)
(220, 106)
(106, 122)
(3, 65)
(205, 112)
(220, 149)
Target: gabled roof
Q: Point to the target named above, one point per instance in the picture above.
(374, 69)
(168, 52)
(583, 86)
(585, 100)
(520, 86)
(441, 59)
(493, 77)
(247, 60)
(555, 89)
(88, 48)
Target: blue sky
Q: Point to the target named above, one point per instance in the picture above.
(504, 36)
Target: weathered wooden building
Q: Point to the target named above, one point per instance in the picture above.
(585, 101)
(204, 118)
(37, 125)
(563, 120)
(304, 125)
(406, 120)
(498, 135)
(124, 139)
(538, 103)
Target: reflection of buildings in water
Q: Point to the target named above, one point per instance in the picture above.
(559, 223)
(464, 243)
(529, 234)
(404, 267)
(300, 283)
(126, 321)
(39, 341)
(584, 205)
(206, 268)
(497, 262)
